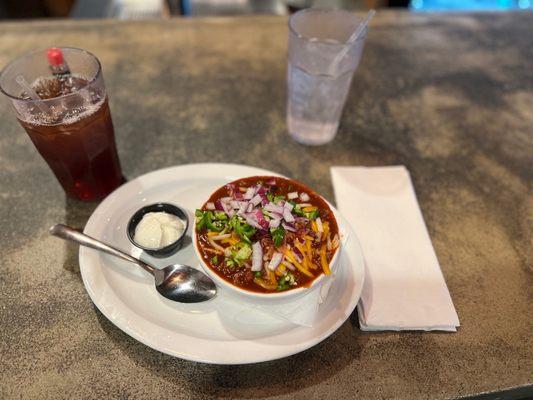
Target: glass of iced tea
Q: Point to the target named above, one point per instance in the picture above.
(59, 97)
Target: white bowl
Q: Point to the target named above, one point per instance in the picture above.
(275, 296)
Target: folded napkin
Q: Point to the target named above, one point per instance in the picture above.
(404, 287)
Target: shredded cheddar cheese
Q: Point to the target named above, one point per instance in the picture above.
(323, 260)
(292, 259)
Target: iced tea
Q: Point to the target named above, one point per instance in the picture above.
(67, 118)
(79, 145)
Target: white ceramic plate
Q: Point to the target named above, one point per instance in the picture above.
(216, 331)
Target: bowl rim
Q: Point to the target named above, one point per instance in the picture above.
(168, 246)
(275, 295)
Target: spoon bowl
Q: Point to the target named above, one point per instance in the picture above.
(184, 284)
(175, 282)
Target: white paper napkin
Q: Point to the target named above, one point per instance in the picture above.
(404, 287)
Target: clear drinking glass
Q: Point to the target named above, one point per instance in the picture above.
(321, 63)
(69, 122)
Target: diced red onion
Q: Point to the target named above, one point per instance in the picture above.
(271, 182)
(257, 257)
(287, 215)
(261, 190)
(250, 192)
(288, 227)
(251, 221)
(274, 215)
(319, 226)
(289, 265)
(215, 246)
(238, 196)
(235, 204)
(260, 218)
(304, 196)
(220, 237)
(242, 208)
(250, 207)
(288, 206)
(226, 207)
(275, 261)
(255, 214)
(292, 195)
(297, 254)
(218, 205)
(274, 208)
(226, 199)
(256, 200)
(274, 223)
(210, 206)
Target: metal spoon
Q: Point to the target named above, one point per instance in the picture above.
(176, 282)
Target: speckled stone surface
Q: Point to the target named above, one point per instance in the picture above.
(449, 96)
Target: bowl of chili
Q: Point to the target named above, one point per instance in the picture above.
(267, 237)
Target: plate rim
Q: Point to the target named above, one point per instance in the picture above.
(293, 349)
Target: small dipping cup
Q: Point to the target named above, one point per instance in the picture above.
(172, 209)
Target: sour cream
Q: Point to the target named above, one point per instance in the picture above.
(158, 229)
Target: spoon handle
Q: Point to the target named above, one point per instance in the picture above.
(68, 233)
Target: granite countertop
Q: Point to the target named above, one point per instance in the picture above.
(449, 96)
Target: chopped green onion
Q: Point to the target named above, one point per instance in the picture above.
(282, 283)
(279, 198)
(207, 219)
(312, 215)
(242, 229)
(220, 215)
(230, 262)
(212, 225)
(200, 219)
(265, 214)
(298, 210)
(289, 278)
(278, 234)
(243, 254)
